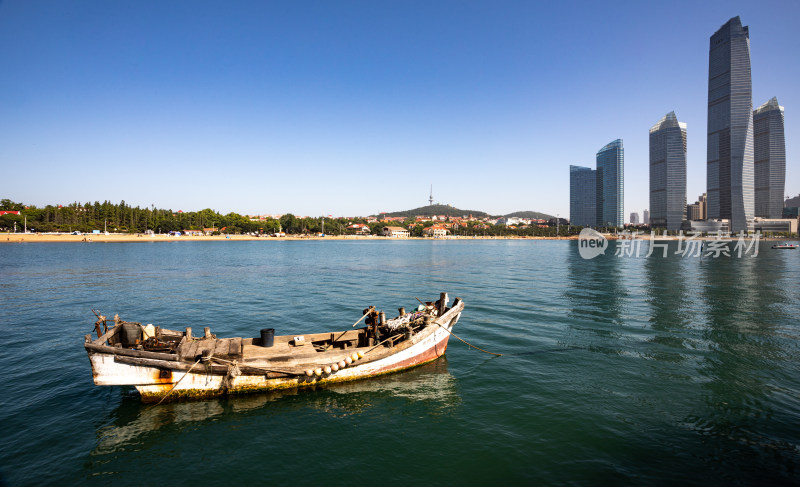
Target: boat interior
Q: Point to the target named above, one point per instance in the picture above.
(153, 342)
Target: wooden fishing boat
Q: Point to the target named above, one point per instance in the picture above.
(167, 364)
(784, 246)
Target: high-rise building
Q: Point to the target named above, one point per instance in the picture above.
(646, 217)
(582, 199)
(730, 127)
(668, 173)
(703, 204)
(769, 159)
(610, 185)
(634, 218)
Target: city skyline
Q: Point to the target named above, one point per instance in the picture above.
(267, 108)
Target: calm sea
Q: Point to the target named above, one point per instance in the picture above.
(615, 370)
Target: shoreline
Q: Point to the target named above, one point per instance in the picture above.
(128, 238)
(94, 238)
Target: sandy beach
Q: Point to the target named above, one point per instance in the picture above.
(63, 237)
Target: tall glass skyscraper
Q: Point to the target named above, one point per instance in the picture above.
(730, 127)
(582, 187)
(770, 159)
(668, 173)
(610, 185)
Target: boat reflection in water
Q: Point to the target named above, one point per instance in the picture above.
(430, 387)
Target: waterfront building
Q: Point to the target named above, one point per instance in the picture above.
(582, 199)
(769, 159)
(646, 217)
(707, 227)
(436, 231)
(668, 173)
(634, 218)
(610, 185)
(776, 225)
(729, 167)
(396, 232)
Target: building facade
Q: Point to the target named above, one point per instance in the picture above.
(668, 173)
(693, 212)
(769, 159)
(396, 232)
(634, 218)
(776, 225)
(610, 183)
(702, 202)
(436, 231)
(582, 198)
(730, 178)
(718, 227)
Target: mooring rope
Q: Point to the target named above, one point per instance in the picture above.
(469, 344)
(179, 381)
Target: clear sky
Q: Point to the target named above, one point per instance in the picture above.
(352, 108)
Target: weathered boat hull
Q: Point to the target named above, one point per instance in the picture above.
(159, 379)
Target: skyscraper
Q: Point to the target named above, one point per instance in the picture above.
(610, 185)
(770, 159)
(634, 218)
(646, 217)
(730, 127)
(668, 173)
(582, 187)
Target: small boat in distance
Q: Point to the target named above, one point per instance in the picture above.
(784, 246)
(163, 363)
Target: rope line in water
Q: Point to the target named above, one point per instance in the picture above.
(469, 344)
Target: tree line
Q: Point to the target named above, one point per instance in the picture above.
(124, 218)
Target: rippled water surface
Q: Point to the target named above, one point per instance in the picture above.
(615, 370)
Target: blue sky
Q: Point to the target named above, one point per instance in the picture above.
(352, 108)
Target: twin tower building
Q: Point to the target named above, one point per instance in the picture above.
(746, 154)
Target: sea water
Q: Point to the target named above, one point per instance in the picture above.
(617, 369)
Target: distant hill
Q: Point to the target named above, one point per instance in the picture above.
(531, 214)
(448, 210)
(431, 210)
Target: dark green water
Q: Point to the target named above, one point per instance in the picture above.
(617, 370)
